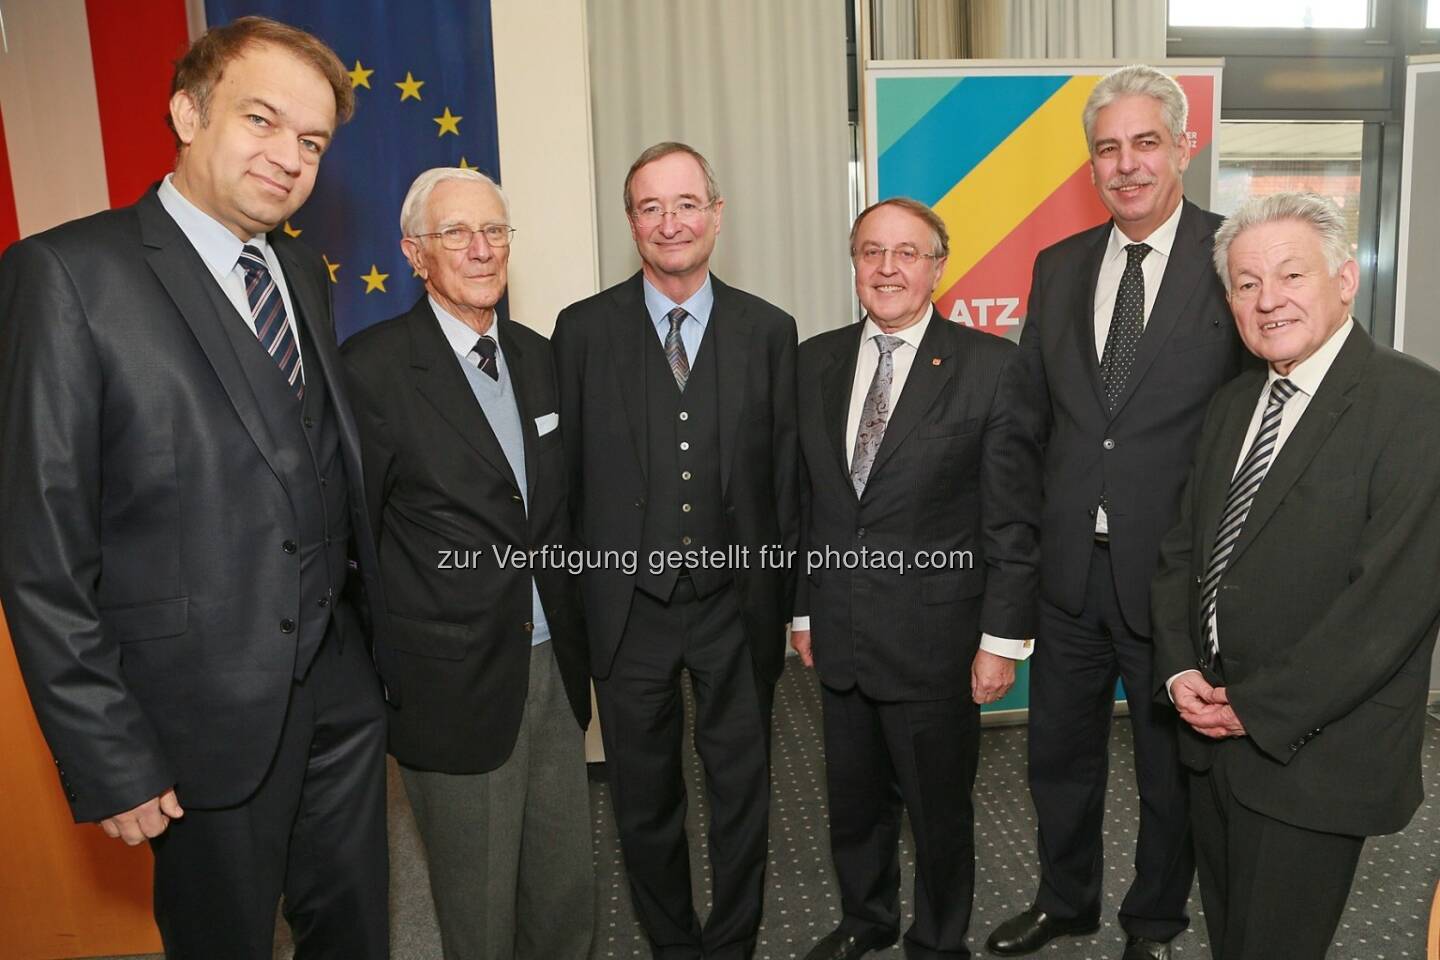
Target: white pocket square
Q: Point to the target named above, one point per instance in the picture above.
(545, 424)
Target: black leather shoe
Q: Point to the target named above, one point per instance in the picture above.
(1143, 948)
(1033, 929)
(842, 946)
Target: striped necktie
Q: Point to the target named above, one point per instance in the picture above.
(1243, 487)
(675, 348)
(267, 313)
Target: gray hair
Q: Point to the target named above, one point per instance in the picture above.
(412, 211)
(915, 208)
(1138, 80)
(1319, 212)
(664, 149)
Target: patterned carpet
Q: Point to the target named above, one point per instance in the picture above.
(1384, 920)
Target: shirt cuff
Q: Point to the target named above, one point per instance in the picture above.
(1005, 647)
(799, 623)
(1173, 679)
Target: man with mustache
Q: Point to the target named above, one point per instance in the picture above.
(1127, 338)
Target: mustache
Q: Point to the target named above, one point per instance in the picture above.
(1116, 183)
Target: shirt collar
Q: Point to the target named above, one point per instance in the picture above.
(1307, 374)
(698, 306)
(217, 246)
(911, 335)
(460, 335)
(1160, 241)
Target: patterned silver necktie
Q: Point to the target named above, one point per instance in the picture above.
(675, 348)
(875, 414)
(1243, 487)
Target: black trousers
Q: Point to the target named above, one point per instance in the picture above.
(1072, 685)
(314, 833)
(642, 719)
(923, 754)
(1270, 889)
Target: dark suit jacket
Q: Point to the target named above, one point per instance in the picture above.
(443, 499)
(1328, 609)
(598, 350)
(142, 568)
(1142, 451)
(956, 471)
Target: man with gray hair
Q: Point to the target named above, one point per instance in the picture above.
(464, 468)
(1127, 338)
(1295, 609)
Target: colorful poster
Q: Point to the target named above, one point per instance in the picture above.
(999, 152)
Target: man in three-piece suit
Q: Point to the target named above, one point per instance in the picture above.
(1296, 606)
(1126, 340)
(678, 416)
(182, 487)
(907, 651)
(458, 419)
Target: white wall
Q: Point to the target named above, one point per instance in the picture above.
(542, 98)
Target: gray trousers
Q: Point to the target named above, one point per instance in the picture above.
(509, 851)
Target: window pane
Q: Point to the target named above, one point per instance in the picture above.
(1320, 14)
(1258, 158)
(1432, 18)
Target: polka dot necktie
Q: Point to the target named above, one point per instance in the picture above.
(1127, 323)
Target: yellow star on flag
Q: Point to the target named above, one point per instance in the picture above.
(410, 87)
(374, 280)
(449, 123)
(332, 267)
(467, 166)
(291, 231)
(359, 77)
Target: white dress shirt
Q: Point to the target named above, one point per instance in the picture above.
(1307, 376)
(1107, 288)
(220, 249)
(902, 359)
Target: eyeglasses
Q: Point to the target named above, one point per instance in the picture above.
(458, 238)
(686, 211)
(874, 254)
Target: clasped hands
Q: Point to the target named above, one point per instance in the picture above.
(1207, 709)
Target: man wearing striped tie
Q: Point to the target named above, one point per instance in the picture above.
(182, 490)
(1296, 608)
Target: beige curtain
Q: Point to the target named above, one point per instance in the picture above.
(1018, 29)
(759, 87)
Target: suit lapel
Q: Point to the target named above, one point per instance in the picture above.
(629, 326)
(1189, 262)
(729, 334)
(436, 373)
(836, 383)
(520, 385)
(202, 303)
(1085, 310)
(932, 369)
(1321, 415)
(1213, 488)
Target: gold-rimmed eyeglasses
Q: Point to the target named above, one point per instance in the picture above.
(458, 238)
(873, 254)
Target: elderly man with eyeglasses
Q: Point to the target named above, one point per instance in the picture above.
(465, 479)
(921, 570)
(678, 413)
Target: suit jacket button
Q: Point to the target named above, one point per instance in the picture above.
(640, 503)
(516, 497)
(860, 533)
(309, 422)
(1108, 444)
(287, 625)
(529, 627)
(288, 546)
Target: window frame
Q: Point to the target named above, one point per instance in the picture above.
(1373, 40)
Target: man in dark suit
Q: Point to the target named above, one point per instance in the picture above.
(181, 481)
(459, 425)
(1296, 606)
(678, 414)
(910, 643)
(1126, 340)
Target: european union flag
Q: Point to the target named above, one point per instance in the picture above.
(424, 80)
